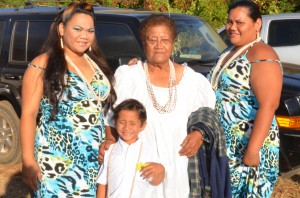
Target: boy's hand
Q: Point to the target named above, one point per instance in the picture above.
(153, 172)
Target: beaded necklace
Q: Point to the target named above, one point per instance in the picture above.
(217, 71)
(88, 86)
(171, 103)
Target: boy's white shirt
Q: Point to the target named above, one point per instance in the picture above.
(122, 169)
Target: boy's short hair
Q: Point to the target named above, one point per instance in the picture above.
(132, 105)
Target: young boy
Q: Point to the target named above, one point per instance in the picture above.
(130, 167)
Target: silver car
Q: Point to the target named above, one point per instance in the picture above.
(282, 32)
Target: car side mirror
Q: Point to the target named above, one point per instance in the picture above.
(292, 105)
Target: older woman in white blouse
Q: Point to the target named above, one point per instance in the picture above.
(170, 92)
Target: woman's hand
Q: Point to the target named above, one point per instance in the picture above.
(153, 172)
(133, 61)
(31, 173)
(251, 159)
(104, 146)
(191, 144)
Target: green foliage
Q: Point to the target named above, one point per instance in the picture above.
(277, 6)
(213, 11)
(11, 4)
(21, 3)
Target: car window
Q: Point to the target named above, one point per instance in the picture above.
(19, 41)
(116, 41)
(28, 38)
(2, 26)
(196, 40)
(37, 34)
(284, 33)
(224, 36)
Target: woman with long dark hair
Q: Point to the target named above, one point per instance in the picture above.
(65, 96)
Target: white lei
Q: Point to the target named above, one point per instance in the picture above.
(217, 71)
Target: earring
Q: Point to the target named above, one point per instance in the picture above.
(257, 34)
(61, 43)
(90, 48)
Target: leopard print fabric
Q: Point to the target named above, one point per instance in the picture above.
(236, 106)
(66, 148)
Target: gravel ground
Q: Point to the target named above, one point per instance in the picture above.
(11, 185)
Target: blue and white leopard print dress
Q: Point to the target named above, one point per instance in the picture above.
(236, 106)
(66, 148)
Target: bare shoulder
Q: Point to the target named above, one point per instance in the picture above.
(261, 51)
(41, 60)
(264, 64)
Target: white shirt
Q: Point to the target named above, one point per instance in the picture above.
(120, 163)
(167, 131)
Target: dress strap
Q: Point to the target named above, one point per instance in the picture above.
(35, 66)
(266, 60)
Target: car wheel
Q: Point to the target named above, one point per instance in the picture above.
(10, 147)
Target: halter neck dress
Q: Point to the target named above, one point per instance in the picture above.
(66, 148)
(237, 106)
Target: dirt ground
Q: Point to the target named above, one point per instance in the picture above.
(11, 185)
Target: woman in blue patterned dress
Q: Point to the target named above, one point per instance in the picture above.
(247, 80)
(66, 93)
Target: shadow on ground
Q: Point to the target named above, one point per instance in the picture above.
(16, 188)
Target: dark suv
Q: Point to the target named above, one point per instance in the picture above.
(23, 31)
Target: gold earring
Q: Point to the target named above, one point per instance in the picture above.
(257, 34)
(61, 43)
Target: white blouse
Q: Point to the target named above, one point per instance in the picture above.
(167, 131)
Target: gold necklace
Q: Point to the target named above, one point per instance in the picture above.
(217, 71)
(171, 103)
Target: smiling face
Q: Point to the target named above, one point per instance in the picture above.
(159, 44)
(241, 29)
(78, 34)
(129, 125)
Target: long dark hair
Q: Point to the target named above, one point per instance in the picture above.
(56, 68)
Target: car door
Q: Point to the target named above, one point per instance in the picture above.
(284, 36)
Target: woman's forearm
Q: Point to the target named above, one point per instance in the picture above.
(27, 134)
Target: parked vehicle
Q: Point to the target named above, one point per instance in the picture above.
(282, 32)
(23, 31)
(288, 118)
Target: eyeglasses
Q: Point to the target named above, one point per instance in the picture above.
(154, 42)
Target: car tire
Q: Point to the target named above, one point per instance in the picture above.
(10, 146)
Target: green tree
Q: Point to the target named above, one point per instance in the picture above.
(213, 11)
(11, 4)
(276, 6)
